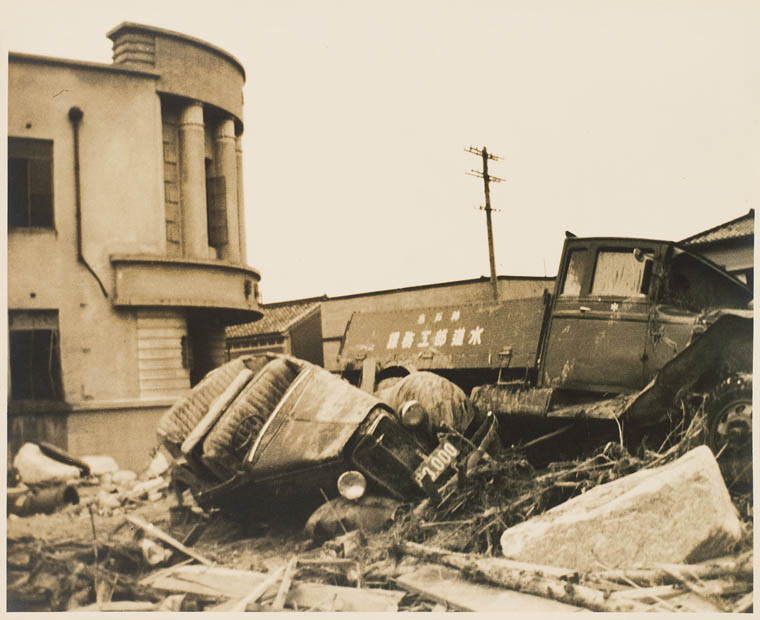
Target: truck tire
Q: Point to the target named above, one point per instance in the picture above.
(729, 429)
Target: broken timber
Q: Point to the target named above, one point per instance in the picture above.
(547, 581)
(153, 531)
(223, 582)
(444, 585)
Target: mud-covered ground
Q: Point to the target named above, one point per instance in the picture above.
(90, 552)
(48, 543)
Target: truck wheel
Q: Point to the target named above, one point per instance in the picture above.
(729, 429)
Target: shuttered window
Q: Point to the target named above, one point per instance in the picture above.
(162, 354)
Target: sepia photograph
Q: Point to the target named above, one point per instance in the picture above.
(363, 306)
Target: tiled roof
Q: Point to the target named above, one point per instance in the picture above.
(739, 228)
(277, 319)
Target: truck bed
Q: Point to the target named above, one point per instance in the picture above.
(460, 337)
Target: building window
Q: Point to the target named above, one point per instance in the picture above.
(216, 209)
(34, 355)
(30, 183)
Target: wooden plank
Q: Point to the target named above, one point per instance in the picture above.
(259, 591)
(205, 581)
(744, 604)
(233, 583)
(649, 594)
(282, 592)
(690, 602)
(154, 532)
(119, 606)
(519, 576)
(444, 585)
(323, 597)
(735, 565)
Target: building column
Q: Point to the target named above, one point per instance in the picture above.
(224, 146)
(240, 200)
(192, 153)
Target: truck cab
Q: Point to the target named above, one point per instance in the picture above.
(622, 308)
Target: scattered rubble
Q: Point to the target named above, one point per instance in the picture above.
(652, 531)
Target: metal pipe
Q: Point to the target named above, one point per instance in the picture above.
(75, 116)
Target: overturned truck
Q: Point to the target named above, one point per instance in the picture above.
(633, 330)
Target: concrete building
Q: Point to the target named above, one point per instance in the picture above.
(731, 245)
(126, 237)
(335, 312)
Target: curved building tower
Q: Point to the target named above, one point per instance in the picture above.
(126, 237)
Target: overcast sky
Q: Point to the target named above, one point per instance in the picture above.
(630, 118)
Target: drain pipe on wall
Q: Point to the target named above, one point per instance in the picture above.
(75, 116)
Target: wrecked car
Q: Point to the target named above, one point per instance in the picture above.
(265, 433)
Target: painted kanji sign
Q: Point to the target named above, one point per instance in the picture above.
(462, 336)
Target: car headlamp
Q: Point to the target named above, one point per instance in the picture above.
(352, 484)
(412, 414)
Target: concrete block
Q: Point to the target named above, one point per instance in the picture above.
(678, 513)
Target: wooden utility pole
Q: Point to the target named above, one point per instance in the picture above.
(483, 174)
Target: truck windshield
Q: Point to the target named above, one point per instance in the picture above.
(618, 272)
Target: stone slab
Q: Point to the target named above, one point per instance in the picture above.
(678, 513)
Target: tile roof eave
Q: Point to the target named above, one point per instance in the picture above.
(689, 240)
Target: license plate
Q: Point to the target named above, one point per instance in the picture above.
(436, 463)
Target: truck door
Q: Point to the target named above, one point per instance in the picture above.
(598, 327)
(689, 285)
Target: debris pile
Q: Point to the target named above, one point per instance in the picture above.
(656, 530)
(59, 576)
(503, 490)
